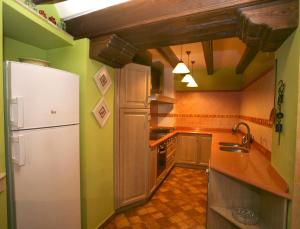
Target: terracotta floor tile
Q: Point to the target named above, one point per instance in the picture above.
(179, 203)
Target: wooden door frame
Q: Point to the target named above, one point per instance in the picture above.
(296, 191)
(116, 135)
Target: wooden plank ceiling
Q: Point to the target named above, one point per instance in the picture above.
(117, 33)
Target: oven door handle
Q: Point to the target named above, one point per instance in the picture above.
(162, 152)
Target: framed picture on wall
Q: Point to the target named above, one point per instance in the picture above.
(102, 80)
(101, 112)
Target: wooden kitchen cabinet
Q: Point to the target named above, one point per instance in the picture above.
(193, 149)
(153, 169)
(133, 157)
(272, 208)
(205, 150)
(135, 85)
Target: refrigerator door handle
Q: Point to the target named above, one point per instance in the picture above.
(16, 112)
(18, 153)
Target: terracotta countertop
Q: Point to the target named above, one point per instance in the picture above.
(252, 168)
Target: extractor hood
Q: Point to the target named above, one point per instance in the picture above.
(157, 84)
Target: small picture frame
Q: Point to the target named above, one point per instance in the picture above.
(101, 112)
(103, 80)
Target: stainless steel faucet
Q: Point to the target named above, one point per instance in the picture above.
(248, 138)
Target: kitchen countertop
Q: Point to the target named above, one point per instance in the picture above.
(252, 168)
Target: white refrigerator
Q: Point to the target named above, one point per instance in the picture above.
(43, 128)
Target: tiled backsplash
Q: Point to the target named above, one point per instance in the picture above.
(224, 109)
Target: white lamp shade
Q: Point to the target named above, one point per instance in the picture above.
(187, 78)
(192, 83)
(181, 68)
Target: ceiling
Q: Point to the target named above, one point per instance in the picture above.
(227, 53)
(74, 8)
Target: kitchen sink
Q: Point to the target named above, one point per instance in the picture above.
(230, 144)
(234, 149)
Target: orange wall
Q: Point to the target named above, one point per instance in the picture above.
(257, 100)
(224, 109)
(211, 110)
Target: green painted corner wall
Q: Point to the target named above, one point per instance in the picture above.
(49, 9)
(283, 155)
(14, 49)
(222, 79)
(96, 143)
(225, 78)
(3, 211)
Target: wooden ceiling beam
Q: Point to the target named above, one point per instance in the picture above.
(134, 14)
(168, 54)
(246, 59)
(208, 56)
(136, 26)
(143, 57)
(112, 50)
(265, 27)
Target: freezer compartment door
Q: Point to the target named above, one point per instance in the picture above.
(41, 96)
(47, 178)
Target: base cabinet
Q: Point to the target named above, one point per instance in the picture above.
(133, 156)
(193, 149)
(153, 169)
(226, 193)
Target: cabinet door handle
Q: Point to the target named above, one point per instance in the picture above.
(18, 152)
(16, 112)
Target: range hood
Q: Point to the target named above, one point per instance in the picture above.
(157, 84)
(159, 98)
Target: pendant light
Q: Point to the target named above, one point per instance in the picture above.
(181, 68)
(192, 82)
(187, 78)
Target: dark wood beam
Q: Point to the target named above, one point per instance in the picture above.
(134, 14)
(267, 26)
(144, 24)
(246, 59)
(168, 54)
(143, 57)
(112, 50)
(39, 2)
(208, 56)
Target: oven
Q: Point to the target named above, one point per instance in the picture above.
(161, 157)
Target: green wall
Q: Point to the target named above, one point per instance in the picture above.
(225, 79)
(97, 196)
(96, 143)
(3, 213)
(15, 49)
(49, 9)
(222, 79)
(283, 155)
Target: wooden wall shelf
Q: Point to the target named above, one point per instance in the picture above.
(226, 213)
(225, 193)
(24, 24)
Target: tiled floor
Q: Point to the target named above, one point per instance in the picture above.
(180, 202)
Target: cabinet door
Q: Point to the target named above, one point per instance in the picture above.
(205, 149)
(133, 156)
(153, 169)
(135, 86)
(187, 149)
